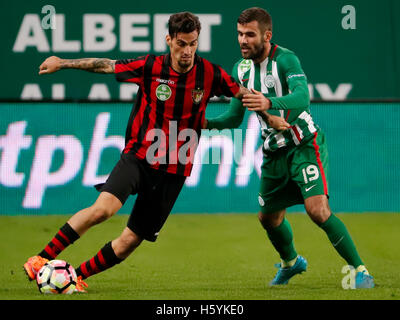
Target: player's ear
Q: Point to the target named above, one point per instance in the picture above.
(168, 39)
(267, 35)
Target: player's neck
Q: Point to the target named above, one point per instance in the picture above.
(267, 50)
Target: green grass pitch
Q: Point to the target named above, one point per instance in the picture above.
(207, 257)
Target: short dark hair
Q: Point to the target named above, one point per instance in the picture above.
(256, 14)
(185, 22)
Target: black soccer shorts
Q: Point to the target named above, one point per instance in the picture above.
(156, 191)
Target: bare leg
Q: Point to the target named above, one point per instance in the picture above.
(317, 208)
(105, 207)
(126, 243)
(271, 220)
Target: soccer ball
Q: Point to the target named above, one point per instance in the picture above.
(56, 276)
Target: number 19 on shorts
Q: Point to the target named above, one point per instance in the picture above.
(310, 173)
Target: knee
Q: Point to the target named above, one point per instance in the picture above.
(318, 213)
(126, 244)
(100, 213)
(272, 220)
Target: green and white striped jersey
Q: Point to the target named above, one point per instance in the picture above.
(280, 78)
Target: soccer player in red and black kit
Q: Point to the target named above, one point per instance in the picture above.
(174, 88)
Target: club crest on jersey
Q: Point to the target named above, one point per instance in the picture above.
(163, 92)
(197, 95)
(269, 81)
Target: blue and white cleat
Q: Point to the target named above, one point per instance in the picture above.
(285, 274)
(364, 280)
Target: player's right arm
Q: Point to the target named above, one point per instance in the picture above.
(98, 65)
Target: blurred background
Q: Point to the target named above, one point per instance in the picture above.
(62, 133)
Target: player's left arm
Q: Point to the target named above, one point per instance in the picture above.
(298, 98)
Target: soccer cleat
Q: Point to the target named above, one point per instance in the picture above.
(364, 280)
(33, 265)
(284, 274)
(80, 285)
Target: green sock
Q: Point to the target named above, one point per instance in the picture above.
(282, 240)
(341, 240)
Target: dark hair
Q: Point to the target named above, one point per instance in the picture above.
(256, 14)
(185, 22)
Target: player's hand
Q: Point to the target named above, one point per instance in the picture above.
(50, 65)
(256, 101)
(205, 123)
(278, 123)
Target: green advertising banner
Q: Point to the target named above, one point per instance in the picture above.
(51, 155)
(349, 50)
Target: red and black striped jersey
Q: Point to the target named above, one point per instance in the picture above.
(165, 123)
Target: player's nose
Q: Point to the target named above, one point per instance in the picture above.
(243, 39)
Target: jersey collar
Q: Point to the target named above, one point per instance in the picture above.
(272, 51)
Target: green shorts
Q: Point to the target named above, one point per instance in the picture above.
(288, 176)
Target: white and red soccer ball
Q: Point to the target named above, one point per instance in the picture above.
(55, 277)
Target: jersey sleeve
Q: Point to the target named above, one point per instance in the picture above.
(130, 70)
(233, 116)
(296, 80)
(223, 83)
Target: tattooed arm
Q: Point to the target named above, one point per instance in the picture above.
(98, 65)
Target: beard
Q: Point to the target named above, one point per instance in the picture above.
(184, 64)
(255, 53)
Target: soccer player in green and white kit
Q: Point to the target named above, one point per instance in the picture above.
(295, 161)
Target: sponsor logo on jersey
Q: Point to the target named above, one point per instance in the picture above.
(245, 65)
(296, 76)
(163, 92)
(165, 81)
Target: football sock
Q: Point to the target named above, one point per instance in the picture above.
(288, 264)
(362, 268)
(103, 260)
(282, 239)
(341, 240)
(64, 237)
